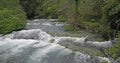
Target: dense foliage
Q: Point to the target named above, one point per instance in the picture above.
(39, 8)
(12, 17)
(101, 16)
(114, 51)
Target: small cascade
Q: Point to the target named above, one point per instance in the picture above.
(82, 42)
(36, 34)
(70, 39)
(85, 58)
(34, 46)
(104, 44)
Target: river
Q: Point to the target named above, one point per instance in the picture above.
(33, 45)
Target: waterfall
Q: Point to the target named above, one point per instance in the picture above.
(34, 46)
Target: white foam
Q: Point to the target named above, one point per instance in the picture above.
(36, 38)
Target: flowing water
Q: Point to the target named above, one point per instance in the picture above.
(33, 45)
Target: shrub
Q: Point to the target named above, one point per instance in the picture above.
(113, 51)
(69, 27)
(11, 17)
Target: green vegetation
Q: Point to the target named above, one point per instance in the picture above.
(100, 16)
(69, 27)
(86, 50)
(12, 16)
(39, 8)
(52, 40)
(104, 61)
(114, 51)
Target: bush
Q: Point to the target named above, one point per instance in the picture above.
(69, 27)
(113, 51)
(91, 25)
(11, 17)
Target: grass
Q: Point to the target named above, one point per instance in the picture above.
(81, 33)
(104, 61)
(85, 50)
(96, 39)
(69, 27)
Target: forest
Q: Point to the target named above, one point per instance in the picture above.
(98, 16)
